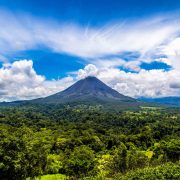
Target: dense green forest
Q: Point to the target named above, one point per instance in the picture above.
(86, 142)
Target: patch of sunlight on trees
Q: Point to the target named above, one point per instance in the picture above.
(51, 177)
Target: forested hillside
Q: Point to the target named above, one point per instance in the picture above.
(85, 142)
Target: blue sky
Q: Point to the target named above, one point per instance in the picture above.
(94, 12)
(70, 39)
(85, 13)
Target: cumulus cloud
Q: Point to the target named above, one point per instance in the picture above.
(19, 80)
(152, 83)
(89, 70)
(175, 85)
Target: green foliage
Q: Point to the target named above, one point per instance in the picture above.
(80, 162)
(149, 154)
(54, 163)
(104, 166)
(51, 177)
(165, 171)
(87, 143)
(125, 160)
(120, 159)
(23, 152)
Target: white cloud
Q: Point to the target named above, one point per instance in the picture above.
(152, 83)
(151, 36)
(164, 60)
(117, 62)
(20, 81)
(89, 70)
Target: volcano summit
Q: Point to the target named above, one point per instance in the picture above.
(90, 91)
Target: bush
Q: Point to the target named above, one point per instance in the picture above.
(166, 171)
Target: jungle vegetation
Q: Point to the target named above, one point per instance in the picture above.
(85, 142)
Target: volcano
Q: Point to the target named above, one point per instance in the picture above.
(90, 91)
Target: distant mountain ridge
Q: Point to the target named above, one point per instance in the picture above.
(172, 101)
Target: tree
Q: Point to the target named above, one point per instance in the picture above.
(80, 162)
(119, 163)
